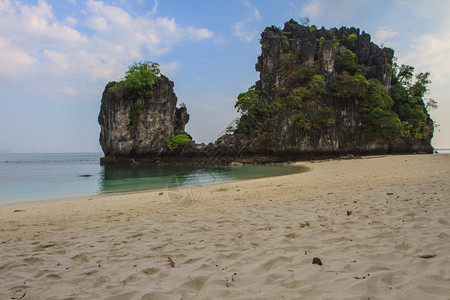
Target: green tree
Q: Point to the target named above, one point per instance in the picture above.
(346, 61)
(318, 84)
(248, 101)
(178, 140)
(375, 97)
(323, 117)
(408, 92)
(140, 79)
(404, 74)
(382, 124)
(348, 85)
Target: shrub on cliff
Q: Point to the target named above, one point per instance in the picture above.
(140, 79)
(178, 140)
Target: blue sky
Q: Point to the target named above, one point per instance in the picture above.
(57, 56)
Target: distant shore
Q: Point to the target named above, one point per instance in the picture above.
(379, 226)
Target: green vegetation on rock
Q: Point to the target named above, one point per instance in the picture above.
(409, 100)
(135, 112)
(258, 111)
(178, 140)
(140, 79)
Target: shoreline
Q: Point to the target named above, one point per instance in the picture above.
(126, 192)
(255, 237)
(299, 163)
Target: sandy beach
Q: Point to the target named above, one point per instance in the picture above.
(379, 225)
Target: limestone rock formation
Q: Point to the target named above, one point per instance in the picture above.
(135, 127)
(320, 92)
(327, 92)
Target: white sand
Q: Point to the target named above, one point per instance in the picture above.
(252, 239)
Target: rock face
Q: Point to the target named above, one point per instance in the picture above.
(134, 127)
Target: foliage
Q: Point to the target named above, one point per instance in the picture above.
(382, 124)
(300, 119)
(230, 129)
(318, 85)
(135, 112)
(287, 59)
(286, 43)
(408, 93)
(352, 37)
(263, 43)
(323, 117)
(178, 140)
(182, 105)
(295, 97)
(312, 28)
(248, 101)
(320, 42)
(346, 61)
(304, 73)
(242, 127)
(257, 111)
(375, 97)
(348, 85)
(336, 43)
(140, 79)
(404, 74)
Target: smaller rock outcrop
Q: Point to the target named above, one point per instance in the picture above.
(134, 126)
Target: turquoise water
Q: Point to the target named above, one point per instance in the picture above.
(32, 177)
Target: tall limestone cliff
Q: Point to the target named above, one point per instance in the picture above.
(330, 92)
(137, 126)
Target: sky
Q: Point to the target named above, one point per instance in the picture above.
(56, 56)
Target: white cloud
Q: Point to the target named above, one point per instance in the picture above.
(430, 53)
(241, 28)
(15, 62)
(170, 69)
(44, 48)
(312, 9)
(198, 34)
(253, 9)
(334, 11)
(426, 8)
(383, 34)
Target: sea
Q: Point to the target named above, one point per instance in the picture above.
(49, 176)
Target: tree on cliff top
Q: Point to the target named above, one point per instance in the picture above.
(140, 78)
